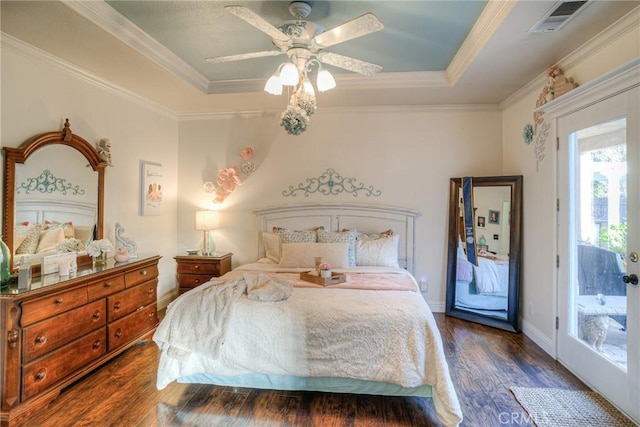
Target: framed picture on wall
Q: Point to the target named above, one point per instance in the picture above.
(481, 221)
(494, 217)
(151, 182)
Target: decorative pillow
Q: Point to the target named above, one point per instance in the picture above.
(293, 236)
(464, 270)
(348, 236)
(67, 227)
(31, 239)
(381, 252)
(302, 255)
(83, 233)
(375, 236)
(49, 240)
(271, 246)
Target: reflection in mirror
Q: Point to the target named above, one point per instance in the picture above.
(484, 250)
(55, 199)
(53, 192)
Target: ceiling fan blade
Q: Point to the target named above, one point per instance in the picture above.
(357, 27)
(257, 21)
(348, 63)
(241, 56)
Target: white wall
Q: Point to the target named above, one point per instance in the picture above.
(36, 97)
(409, 154)
(538, 308)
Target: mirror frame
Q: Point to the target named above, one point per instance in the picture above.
(13, 156)
(515, 249)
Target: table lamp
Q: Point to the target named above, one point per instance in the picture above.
(207, 221)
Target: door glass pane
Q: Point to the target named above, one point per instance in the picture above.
(599, 239)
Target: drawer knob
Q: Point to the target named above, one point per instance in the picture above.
(59, 301)
(40, 375)
(196, 281)
(96, 315)
(118, 333)
(97, 344)
(41, 339)
(149, 291)
(151, 315)
(143, 272)
(117, 306)
(107, 284)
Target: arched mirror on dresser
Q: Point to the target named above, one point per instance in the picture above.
(484, 246)
(53, 178)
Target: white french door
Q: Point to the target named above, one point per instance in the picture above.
(598, 246)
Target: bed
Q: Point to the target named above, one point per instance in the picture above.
(261, 326)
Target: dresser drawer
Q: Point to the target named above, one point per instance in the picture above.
(104, 287)
(47, 371)
(140, 275)
(50, 334)
(206, 268)
(131, 326)
(130, 300)
(43, 308)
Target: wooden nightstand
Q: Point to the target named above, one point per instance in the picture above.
(194, 270)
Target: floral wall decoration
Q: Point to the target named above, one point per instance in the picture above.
(557, 85)
(331, 183)
(231, 177)
(541, 140)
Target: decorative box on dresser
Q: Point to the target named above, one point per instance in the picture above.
(194, 270)
(59, 330)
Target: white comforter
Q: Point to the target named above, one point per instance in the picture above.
(385, 336)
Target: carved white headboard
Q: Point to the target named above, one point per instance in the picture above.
(336, 216)
(55, 211)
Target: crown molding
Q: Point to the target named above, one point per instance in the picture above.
(400, 109)
(492, 16)
(110, 20)
(26, 50)
(629, 22)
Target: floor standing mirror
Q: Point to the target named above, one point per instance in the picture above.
(483, 268)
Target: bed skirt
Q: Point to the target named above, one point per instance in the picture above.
(321, 384)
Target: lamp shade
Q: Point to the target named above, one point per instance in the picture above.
(207, 220)
(325, 80)
(289, 74)
(273, 85)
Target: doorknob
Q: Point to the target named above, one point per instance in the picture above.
(631, 278)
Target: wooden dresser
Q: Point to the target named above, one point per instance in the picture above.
(58, 331)
(195, 270)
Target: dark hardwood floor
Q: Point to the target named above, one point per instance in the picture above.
(484, 363)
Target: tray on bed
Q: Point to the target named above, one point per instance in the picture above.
(324, 281)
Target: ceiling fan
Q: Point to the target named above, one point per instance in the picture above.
(304, 41)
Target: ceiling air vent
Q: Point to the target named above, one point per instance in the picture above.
(558, 16)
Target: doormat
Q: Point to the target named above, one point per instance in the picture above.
(552, 407)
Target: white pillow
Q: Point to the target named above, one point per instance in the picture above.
(380, 252)
(49, 240)
(302, 255)
(271, 246)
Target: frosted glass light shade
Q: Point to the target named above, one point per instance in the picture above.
(325, 80)
(274, 85)
(207, 220)
(289, 74)
(308, 88)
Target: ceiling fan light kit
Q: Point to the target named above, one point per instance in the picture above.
(304, 42)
